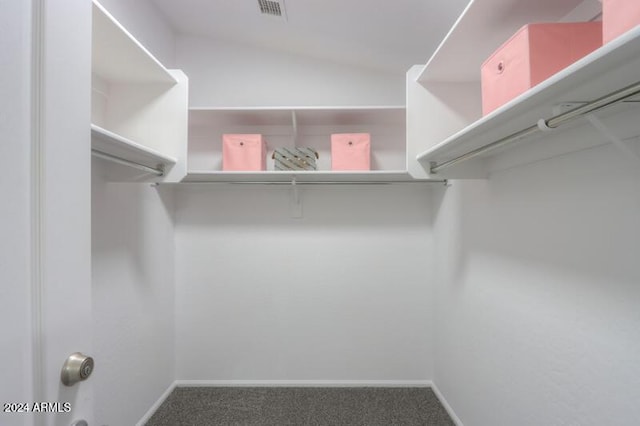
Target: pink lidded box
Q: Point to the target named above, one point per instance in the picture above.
(618, 17)
(350, 151)
(244, 152)
(533, 54)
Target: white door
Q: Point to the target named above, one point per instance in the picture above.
(65, 203)
(45, 244)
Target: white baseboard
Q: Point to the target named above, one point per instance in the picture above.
(156, 405)
(304, 383)
(446, 405)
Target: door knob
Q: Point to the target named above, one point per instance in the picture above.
(76, 368)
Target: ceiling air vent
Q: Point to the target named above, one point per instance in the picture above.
(272, 8)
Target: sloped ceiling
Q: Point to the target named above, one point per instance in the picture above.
(389, 35)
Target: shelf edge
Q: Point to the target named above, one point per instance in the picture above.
(266, 177)
(120, 143)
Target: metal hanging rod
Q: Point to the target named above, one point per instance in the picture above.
(158, 170)
(544, 125)
(326, 182)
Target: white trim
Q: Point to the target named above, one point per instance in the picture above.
(305, 383)
(446, 405)
(297, 108)
(156, 405)
(37, 199)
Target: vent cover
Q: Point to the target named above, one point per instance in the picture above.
(272, 8)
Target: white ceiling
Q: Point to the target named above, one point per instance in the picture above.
(389, 35)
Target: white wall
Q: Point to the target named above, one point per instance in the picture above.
(15, 214)
(232, 75)
(133, 297)
(538, 293)
(262, 296)
(147, 24)
(227, 74)
(341, 294)
(132, 261)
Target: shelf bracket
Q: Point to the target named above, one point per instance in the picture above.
(295, 201)
(294, 125)
(605, 131)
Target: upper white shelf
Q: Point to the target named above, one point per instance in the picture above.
(299, 126)
(606, 70)
(118, 56)
(482, 28)
(287, 116)
(115, 145)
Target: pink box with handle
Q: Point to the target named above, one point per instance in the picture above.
(350, 151)
(618, 17)
(533, 54)
(244, 152)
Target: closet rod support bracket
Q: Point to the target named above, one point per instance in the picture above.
(544, 126)
(295, 201)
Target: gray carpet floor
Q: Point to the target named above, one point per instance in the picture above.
(229, 406)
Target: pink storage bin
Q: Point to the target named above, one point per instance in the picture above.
(618, 17)
(350, 151)
(533, 54)
(244, 152)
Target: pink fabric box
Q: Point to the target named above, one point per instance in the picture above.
(244, 152)
(350, 151)
(618, 17)
(533, 54)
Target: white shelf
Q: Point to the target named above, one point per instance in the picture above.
(483, 27)
(118, 146)
(300, 177)
(299, 126)
(138, 107)
(118, 57)
(610, 68)
(282, 116)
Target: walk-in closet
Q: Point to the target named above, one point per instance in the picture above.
(480, 266)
